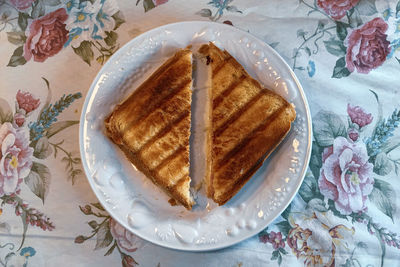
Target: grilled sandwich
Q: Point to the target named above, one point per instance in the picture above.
(247, 122)
(152, 127)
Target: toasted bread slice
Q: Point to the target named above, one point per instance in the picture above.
(247, 122)
(152, 126)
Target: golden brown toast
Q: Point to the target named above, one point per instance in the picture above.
(247, 122)
(152, 126)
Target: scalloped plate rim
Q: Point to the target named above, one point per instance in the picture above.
(232, 241)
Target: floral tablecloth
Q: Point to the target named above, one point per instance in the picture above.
(346, 55)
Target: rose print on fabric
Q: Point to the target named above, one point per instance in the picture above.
(24, 142)
(346, 175)
(47, 36)
(367, 47)
(124, 238)
(21, 4)
(350, 31)
(15, 158)
(359, 116)
(42, 29)
(26, 102)
(337, 9)
(316, 239)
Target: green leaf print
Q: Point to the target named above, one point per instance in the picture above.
(284, 227)
(340, 70)
(384, 197)
(382, 164)
(104, 237)
(397, 9)
(111, 38)
(316, 159)
(341, 30)
(148, 4)
(335, 47)
(84, 50)
(309, 188)
(38, 180)
(286, 212)
(6, 114)
(16, 38)
(42, 148)
(17, 58)
(23, 20)
(38, 9)
(327, 126)
(118, 19)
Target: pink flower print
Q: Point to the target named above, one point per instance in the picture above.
(367, 47)
(124, 238)
(276, 240)
(46, 36)
(19, 119)
(337, 9)
(353, 134)
(21, 4)
(15, 158)
(346, 175)
(359, 116)
(26, 101)
(159, 2)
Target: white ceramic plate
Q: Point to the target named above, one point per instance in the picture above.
(140, 206)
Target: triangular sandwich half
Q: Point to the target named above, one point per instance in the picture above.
(152, 127)
(247, 122)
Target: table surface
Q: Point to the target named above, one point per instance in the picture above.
(346, 56)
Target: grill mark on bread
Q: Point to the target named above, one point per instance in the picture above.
(221, 65)
(239, 150)
(179, 182)
(176, 153)
(244, 178)
(153, 176)
(164, 131)
(227, 91)
(166, 75)
(156, 104)
(269, 119)
(150, 115)
(237, 114)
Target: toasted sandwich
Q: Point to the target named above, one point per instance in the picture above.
(152, 127)
(247, 122)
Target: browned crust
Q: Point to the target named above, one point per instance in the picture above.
(246, 177)
(150, 95)
(244, 153)
(141, 97)
(150, 174)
